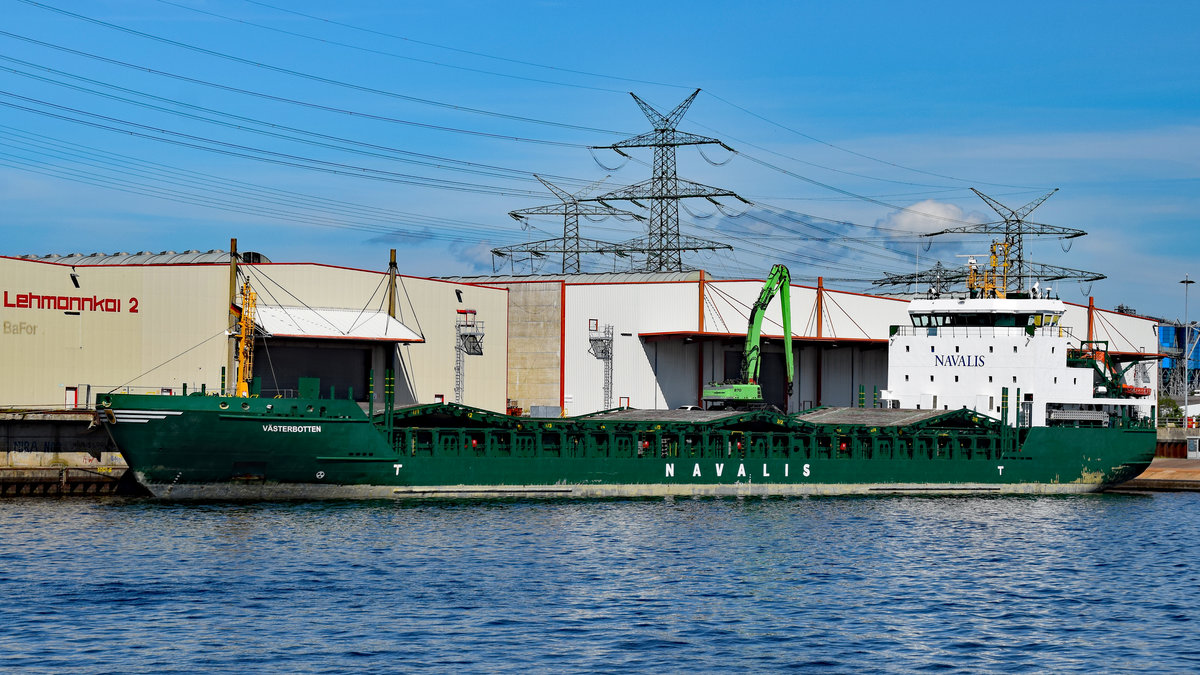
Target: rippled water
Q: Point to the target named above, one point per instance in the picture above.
(1080, 583)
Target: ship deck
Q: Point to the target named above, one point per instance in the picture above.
(634, 415)
(875, 417)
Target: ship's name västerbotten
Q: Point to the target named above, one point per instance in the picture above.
(293, 428)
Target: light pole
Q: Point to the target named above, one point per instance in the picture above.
(1187, 331)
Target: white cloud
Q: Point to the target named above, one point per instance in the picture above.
(479, 256)
(926, 217)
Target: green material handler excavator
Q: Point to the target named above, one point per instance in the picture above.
(745, 393)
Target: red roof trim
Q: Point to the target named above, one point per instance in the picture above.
(666, 335)
(298, 336)
(60, 263)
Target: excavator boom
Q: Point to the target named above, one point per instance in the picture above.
(746, 392)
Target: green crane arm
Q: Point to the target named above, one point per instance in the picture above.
(778, 283)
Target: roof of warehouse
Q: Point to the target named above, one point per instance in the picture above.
(337, 324)
(140, 258)
(608, 278)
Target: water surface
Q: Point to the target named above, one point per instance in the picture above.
(1003, 584)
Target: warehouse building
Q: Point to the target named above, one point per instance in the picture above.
(590, 342)
(78, 325)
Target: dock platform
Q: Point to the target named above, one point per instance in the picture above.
(1166, 475)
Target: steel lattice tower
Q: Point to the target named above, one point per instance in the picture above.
(663, 244)
(571, 245)
(1014, 228)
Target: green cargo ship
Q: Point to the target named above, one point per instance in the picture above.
(1075, 427)
(209, 447)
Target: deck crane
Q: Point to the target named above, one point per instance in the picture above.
(746, 392)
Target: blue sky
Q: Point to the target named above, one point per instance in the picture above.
(419, 126)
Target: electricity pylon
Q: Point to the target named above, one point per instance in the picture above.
(571, 244)
(1013, 228)
(663, 244)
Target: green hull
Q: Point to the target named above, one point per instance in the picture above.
(193, 448)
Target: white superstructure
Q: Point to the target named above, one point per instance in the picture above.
(964, 353)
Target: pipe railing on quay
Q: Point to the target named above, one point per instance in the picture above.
(1177, 422)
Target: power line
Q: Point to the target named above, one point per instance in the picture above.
(201, 199)
(851, 194)
(360, 146)
(859, 154)
(246, 152)
(223, 186)
(626, 79)
(316, 78)
(463, 51)
(281, 99)
(381, 52)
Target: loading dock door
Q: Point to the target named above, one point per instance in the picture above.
(343, 366)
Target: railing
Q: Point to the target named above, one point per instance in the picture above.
(981, 331)
(1177, 422)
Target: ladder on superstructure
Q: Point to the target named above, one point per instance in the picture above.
(468, 341)
(602, 348)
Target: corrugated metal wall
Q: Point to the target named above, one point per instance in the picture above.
(122, 326)
(648, 375)
(848, 351)
(168, 327)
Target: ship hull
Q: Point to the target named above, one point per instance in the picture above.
(191, 448)
(312, 491)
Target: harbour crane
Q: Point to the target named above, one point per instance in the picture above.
(746, 391)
